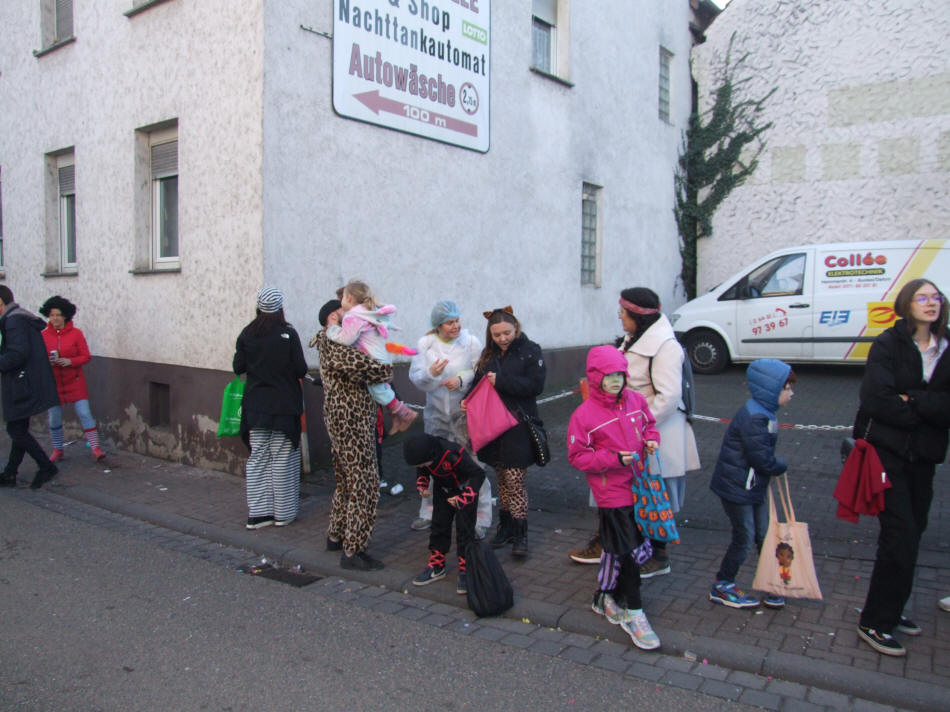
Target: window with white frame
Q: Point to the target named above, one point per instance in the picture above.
(544, 35)
(66, 180)
(666, 63)
(163, 166)
(590, 235)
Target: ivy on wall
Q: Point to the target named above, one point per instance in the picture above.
(720, 151)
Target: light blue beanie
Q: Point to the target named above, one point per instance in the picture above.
(443, 312)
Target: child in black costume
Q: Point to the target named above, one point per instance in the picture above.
(453, 479)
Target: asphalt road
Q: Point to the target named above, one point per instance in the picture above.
(95, 619)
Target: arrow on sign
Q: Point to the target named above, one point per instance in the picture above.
(376, 103)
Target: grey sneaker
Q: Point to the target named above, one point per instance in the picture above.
(654, 568)
(420, 524)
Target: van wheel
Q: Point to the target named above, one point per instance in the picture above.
(707, 351)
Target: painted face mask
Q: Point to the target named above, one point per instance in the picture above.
(613, 382)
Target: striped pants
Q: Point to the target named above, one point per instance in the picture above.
(273, 476)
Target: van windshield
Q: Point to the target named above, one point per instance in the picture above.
(780, 277)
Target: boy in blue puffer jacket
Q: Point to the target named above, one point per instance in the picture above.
(746, 463)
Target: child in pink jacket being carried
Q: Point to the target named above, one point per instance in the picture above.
(366, 326)
(606, 432)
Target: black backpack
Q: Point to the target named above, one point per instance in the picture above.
(686, 386)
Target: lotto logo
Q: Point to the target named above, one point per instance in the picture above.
(881, 315)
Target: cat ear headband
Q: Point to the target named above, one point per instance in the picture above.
(506, 310)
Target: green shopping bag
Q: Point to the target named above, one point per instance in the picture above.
(230, 423)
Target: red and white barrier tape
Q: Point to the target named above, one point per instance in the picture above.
(696, 416)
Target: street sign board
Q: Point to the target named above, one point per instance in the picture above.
(416, 66)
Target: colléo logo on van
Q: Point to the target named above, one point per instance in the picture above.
(855, 259)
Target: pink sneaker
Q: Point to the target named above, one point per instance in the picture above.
(57, 455)
(97, 453)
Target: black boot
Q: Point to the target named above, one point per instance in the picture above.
(504, 533)
(44, 475)
(7, 479)
(520, 547)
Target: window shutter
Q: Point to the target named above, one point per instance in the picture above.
(67, 180)
(64, 19)
(545, 10)
(165, 159)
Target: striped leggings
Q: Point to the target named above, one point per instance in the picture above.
(273, 476)
(619, 575)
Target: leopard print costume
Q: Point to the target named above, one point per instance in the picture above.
(350, 415)
(512, 494)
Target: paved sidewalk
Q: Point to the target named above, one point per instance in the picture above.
(807, 649)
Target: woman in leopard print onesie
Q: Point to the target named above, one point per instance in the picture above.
(350, 415)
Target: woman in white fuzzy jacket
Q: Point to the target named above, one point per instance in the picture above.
(655, 370)
(443, 369)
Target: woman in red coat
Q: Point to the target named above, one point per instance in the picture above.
(68, 353)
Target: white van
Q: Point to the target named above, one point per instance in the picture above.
(814, 303)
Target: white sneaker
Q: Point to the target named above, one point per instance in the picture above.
(605, 605)
(637, 626)
(944, 604)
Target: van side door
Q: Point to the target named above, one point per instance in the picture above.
(774, 309)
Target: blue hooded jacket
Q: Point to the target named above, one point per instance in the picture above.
(747, 456)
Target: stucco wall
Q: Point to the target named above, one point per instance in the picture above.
(275, 188)
(197, 62)
(423, 221)
(860, 149)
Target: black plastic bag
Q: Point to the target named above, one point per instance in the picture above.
(489, 591)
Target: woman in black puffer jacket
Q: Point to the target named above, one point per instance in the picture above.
(515, 366)
(905, 414)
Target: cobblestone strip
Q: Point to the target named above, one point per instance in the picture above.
(687, 674)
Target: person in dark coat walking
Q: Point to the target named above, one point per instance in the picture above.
(28, 387)
(905, 415)
(515, 367)
(269, 352)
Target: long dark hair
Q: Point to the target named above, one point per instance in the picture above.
(906, 296)
(642, 297)
(491, 348)
(265, 322)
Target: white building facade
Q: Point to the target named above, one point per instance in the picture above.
(161, 160)
(860, 147)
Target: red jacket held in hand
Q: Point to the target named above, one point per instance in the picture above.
(861, 485)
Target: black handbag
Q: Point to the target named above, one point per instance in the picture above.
(489, 591)
(538, 436)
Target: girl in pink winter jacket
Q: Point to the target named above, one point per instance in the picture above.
(612, 427)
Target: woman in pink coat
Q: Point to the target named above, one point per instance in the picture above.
(68, 353)
(612, 427)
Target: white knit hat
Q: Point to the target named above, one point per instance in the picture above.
(270, 300)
